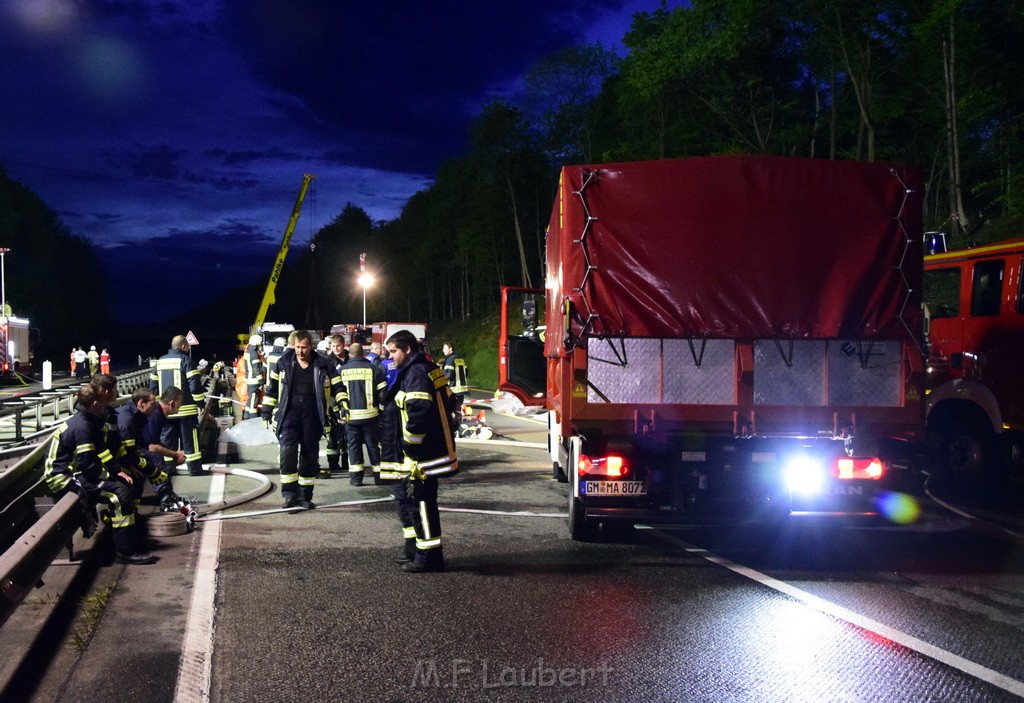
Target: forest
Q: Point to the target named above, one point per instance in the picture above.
(931, 83)
(936, 83)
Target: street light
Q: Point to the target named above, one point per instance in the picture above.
(365, 280)
(3, 283)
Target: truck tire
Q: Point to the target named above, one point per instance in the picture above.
(579, 529)
(966, 455)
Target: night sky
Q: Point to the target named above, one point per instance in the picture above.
(174, 134)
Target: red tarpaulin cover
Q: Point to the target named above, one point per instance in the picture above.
(737, 247)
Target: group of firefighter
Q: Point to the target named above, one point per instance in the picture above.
(104, 455)
(387, 410)
(88, 363)
(391, 400)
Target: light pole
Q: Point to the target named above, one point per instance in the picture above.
(365, 280)
(3, 283)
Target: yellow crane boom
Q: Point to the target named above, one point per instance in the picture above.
(275, 273)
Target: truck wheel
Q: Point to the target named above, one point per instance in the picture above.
(579, 529)
(966, 453)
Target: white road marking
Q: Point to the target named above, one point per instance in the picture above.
(837, 611)
(510, 513)
(195, 670)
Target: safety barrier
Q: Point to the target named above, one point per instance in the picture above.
(23, 417)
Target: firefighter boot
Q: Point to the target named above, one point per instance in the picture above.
(426, 561)
(408, 551)
(290, 475)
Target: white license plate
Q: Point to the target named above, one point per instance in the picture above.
(614, 488)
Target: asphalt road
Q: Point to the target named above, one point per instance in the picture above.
(311, 606)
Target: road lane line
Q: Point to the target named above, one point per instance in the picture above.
(194, 672)
(837, 611)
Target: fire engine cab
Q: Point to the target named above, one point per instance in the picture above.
(975, 409)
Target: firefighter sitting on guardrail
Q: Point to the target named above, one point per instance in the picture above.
(78, 461)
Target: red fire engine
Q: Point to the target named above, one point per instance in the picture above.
(975, 383)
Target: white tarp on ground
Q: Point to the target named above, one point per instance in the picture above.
(508, 404)
(250, 433)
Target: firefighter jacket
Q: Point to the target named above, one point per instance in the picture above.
(425, 403)
(175, 369)
(456, 372)
(78, 446)
(364, 384)
(278, 390)
(253, 367)
(131, 423)
(273, 358)
(336, 363)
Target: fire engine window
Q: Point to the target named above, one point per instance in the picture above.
(987, 288)
(1020, 288)
(942, 292)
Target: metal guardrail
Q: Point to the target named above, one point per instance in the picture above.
(24, 562)
(26, 413)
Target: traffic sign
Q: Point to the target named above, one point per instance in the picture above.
(191, 339)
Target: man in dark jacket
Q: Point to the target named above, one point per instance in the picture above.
(175, 369)
(425, 405)
(132, 418)
(296, 403)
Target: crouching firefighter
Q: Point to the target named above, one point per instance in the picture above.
(425, 404)
(132, 418)
(78, 461)
(299, 395)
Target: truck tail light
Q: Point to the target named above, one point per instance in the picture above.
(611, 466)
(847, 469)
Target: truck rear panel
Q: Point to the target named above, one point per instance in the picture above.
(712, 319)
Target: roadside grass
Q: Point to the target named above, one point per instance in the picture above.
(92, 608)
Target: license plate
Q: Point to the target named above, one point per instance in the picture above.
(614, 488)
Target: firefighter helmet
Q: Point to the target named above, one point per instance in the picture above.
(256, 340)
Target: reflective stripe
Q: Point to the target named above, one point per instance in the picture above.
(307, 480)
(409, 532)
(289, 478)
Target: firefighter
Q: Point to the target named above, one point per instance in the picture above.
(104, 361)
(253, 362)
(457, 374)
(94, 360)
(388, 430)
(298, 397)
(425, 403)
(167, 404)
(78, 461)
(132, 418)
(274, 354)
(337, 448)
(175, 369)
(365, 384)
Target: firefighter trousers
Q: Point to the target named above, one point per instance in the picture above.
(299, 434)
(184, 431)
(360, 433)
(426, 518)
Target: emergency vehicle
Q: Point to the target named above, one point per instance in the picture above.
(728, 338)
(15, 346)
(975, 375)
(381, 331)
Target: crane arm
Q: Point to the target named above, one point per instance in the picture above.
(275, 273)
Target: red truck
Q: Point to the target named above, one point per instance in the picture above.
(975, 371)
(734, 338)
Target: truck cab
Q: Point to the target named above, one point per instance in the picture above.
(974, 302)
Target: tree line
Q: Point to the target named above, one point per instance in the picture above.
(930, 82)
(934, 83)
